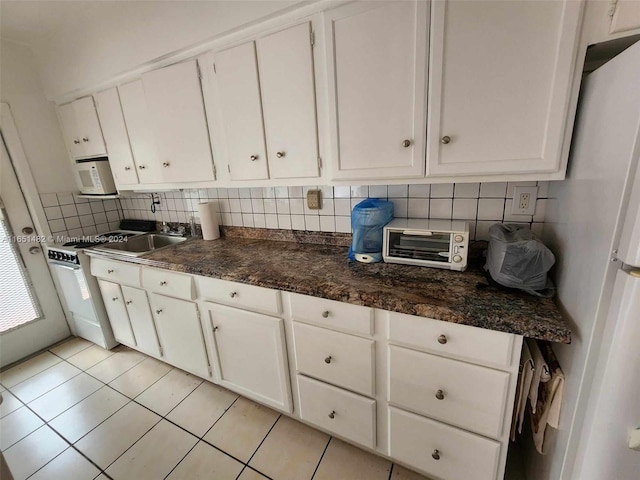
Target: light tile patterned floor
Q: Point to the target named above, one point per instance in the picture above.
(79, 412)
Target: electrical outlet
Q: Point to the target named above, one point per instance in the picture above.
(313, 199)
(524, 200)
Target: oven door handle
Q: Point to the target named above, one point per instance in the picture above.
(65, 265)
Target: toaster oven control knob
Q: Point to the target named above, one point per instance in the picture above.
(458, 238)
(457, 258)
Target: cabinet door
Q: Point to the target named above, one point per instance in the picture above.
(288, 100)
(493, 110)
(377, 69)
(626, 16)
(116, 137)
(118, 317)
(136, 117)
(89, 128)
(141, 320)
(175, 103)
(180, 333)
(237, 94)
(67, 115)
(251, 355)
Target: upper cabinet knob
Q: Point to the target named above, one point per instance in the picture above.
(110, 271)
(280, 154)
(233, 294)
(85, 139)
(127, 168)
(440, 395)
(141, 167)
(442, 339)
(76, 141)
(406, 143)
(328, 359)
(436, 454)
(114, 299)
(253, 158)
(129, 302)
(165, 164)
(163, 283)
(446, 139)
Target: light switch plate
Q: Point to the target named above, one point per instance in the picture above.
(524, 200)
(313, 199)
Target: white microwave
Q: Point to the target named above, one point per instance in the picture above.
(429, 243)
(95, 177)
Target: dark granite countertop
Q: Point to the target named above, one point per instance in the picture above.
(324, 271)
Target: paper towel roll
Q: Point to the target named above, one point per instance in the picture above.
(209, 220)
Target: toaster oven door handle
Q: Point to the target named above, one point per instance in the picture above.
(444, 254)
(420, 233)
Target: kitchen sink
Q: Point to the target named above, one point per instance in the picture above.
(140, 244)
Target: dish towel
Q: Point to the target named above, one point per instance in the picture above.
(548, 401)
(527, 368)
(541, 373)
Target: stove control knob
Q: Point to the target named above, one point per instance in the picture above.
(457, 258)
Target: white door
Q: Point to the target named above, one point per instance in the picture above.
(289, 102)
(88, 128)
(137, 120)
(237, 96)
(31, 317)
(118, 316)
(377, 55)
(176, 108)
(492, 108)
(251, 356)
(116, 137)
(141, 320)
(180, 333)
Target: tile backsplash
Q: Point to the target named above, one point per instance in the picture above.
(482, 204)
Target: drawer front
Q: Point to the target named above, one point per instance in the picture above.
(465, 395)
(444, 338)
(119, 272)
(337, 358)
(331, 314)
(346, 414)
(248, 297)
(440, 450)
(168, 283)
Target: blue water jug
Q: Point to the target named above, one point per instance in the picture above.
(368, 218)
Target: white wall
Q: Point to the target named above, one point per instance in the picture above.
(112, 38)
(35, 119)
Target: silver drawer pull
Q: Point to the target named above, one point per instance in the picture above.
(440, 395)
(328, 359)
(109, 271)
(442, 339)
(159, 311)
(129, 302)
(163, 283)
(436, 454)
(233, 294)
(332, 415)
(325, 314)
(114, 299)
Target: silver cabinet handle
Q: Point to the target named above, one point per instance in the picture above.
(165, 164)
(253, 158)
(280, 154)
(110, 271)
(114, 299)
(159, 311)
(163, 283)
(406, 143)
(127, 168)
(129, 302)
(141, 167)
(436, 454)
(332, 415)
(233, 294)
(328, 359)
(442, 339)
(85, 139)
(445, 140)
(325, 314)
(76, 141)
(440, 395)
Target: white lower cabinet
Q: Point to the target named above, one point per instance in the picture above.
(141, 320)
(347, 414)
(249, 354)
(440, 450)
(118, 317)
(180, 333)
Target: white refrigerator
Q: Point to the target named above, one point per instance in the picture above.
(594, 225)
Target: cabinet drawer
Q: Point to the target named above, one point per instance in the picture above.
(239, 295)
(332, 314)
(440, 450)
(168, 283)
(346, 414)
(465, 395)
(119, 272)
(450, 339)
(337, 358)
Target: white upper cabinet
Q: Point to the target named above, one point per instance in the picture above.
(626, 16)
(237, 93)
(81, 129)
(137, 119)
(176, 110)
(377, 54)
(500, 83)
(116, 137)
(288, 100)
